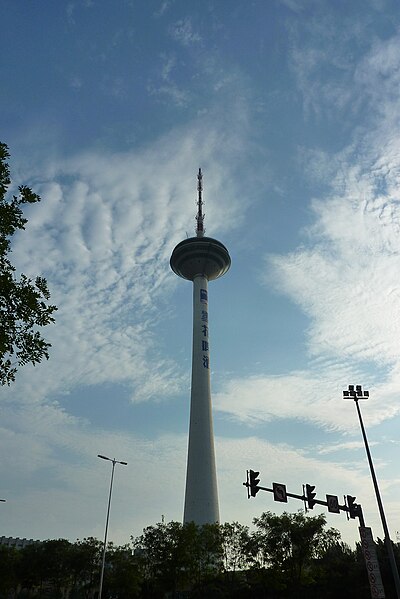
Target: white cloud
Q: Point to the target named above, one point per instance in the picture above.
(313, 396)
(182, 31)
(334, 82)
(169, 63)
(76, 82)
(172, 92)
(70, 8)
(297, 6)
(345, 279)
(66, 486)
(379, 73)
(167, 87)
(164, 7)
(102, 236)
(347, 446)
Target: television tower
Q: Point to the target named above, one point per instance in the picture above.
(200, 259)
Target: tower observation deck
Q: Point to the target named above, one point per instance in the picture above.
(200, 259)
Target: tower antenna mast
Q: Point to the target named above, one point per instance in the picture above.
(200, 230)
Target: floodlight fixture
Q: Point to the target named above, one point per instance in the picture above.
(356, 393)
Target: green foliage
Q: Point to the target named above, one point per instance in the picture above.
(239, 548)
(290, 556)
(174, 556)
(288, 544)
(386, 569)
(23, 302)
(60, 569)
(84, 558)
(9, 559)
(31, 566)
(340, 572)
(122, 578)
(281, 556)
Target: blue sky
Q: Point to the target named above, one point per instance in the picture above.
(290, 107)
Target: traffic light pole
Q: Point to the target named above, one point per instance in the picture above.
(353, 510)
(287, 494)
(281, 494)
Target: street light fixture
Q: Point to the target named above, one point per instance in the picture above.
(356, 393)
(113, 461)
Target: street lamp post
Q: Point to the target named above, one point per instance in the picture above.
(356, 393)
(113, 461)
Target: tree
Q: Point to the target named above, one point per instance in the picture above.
(8, 570)
(85, 563)
(122, 577)
(55, 561)
(385, 567)
(340, 572)
(289, 543)
(173, 557)
(204, 556)
(23, 302)
(31, 567)
(237, 547)
(160, 557)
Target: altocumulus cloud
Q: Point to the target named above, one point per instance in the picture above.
(102, 236)
(345, 275)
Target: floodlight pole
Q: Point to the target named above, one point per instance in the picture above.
(113, 461)
(357, 393)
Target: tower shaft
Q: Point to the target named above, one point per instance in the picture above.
(201, 496)
(200, 259)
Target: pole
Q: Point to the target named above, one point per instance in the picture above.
(113, 461)
(388, 541)
(106, 531)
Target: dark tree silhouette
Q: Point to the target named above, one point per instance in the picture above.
(23, 302)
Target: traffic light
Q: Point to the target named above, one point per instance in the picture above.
(354, 508)
(253, 482)
(310, 496)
